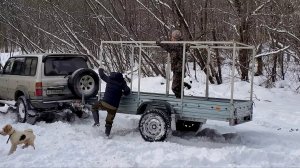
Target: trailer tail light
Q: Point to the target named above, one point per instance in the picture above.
(38, 89)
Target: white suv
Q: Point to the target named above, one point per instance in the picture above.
(48, 83)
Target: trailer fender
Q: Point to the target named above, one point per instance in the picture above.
(161, 105)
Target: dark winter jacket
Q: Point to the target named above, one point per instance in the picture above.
(115, 87)
(176, 54)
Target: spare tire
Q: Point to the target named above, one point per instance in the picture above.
(84, 82)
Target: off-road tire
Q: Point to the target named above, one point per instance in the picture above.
(154, 125)
(84, 82)
(22, 109)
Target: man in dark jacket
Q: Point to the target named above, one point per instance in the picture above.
(175, 51)
(115, 87)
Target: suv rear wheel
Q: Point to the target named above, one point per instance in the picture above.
(84, 82)
(22, 109)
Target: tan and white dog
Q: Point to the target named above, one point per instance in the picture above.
(16, 137)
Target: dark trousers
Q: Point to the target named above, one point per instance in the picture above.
(176, 84)
(111, 112)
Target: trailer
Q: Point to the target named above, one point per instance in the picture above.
(163, 112)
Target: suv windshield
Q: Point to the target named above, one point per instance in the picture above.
(56, 66)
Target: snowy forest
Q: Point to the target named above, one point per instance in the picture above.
(272, 26)
(259, 126)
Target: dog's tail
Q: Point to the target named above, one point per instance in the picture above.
(28, 130)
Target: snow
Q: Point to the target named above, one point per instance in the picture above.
(3, 58)
(272, 139)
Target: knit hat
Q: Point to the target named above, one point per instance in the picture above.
(176, 34)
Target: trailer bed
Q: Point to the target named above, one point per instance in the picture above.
(193, 107)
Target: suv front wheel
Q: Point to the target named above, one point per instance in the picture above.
(84, 82)
(22, 109)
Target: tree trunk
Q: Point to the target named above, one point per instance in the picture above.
(259, 66)
(274, 71)
(218, 57)
(244, 54)
(5, 45)
(244, 36)
(260, 63)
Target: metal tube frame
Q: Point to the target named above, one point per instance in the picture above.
(203, 44)
(181, 42)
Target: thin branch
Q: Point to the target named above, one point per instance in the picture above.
(116, 20)
(160, 21)
(260, 7)
(27, 38)
(272, 52)
(282, 31)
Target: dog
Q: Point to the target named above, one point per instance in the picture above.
(16, 137)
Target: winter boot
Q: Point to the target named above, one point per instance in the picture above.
(96, 118)
(107, 129)
(96, 125)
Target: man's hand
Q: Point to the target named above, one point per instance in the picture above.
(100, 70)
(158, 42)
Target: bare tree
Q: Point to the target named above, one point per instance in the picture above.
(69, 26)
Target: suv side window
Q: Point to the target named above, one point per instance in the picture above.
(30, 66)
(18, 66)
(8, 66)
(21, 66)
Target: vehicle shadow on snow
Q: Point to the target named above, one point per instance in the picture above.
(205, 135)
(215, 136)
(187, 138)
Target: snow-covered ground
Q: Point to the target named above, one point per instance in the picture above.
(3, 58)
(272, 139)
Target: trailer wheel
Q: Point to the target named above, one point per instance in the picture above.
(182, 125)
(154, 125)
(22, 109)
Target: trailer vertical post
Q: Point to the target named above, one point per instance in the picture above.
(100, 59)
(252, 73)
(139, 71)
(182, 73)
(168, 74)
(232, 72)
(131, 65)
(207, 72)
